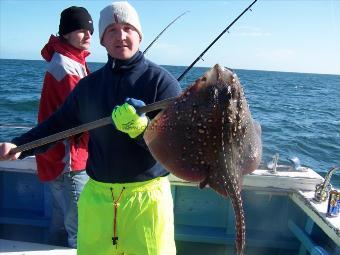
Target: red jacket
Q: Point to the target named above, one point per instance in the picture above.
(66, 66)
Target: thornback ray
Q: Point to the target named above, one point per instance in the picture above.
(208, 135)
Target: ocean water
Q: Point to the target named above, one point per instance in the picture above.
(299, 113)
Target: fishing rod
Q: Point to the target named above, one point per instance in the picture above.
(88, 126)
(108, 120)
(213, 42)
(147, 48)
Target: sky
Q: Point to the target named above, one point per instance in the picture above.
(291, 35)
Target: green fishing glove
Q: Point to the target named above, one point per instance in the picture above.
(127, 120)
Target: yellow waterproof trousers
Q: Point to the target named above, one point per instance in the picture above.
(126, 218)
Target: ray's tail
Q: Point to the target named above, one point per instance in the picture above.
(240, 225)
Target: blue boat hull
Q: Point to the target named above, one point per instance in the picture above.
(204, 221)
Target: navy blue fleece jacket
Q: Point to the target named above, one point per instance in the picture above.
(113, 156)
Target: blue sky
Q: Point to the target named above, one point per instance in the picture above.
(296, 36)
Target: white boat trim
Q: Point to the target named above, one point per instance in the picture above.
(10, 247)
(281, 180)
(27, 165)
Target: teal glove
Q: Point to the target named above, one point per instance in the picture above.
(127, 120)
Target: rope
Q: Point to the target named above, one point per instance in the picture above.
(115, 212)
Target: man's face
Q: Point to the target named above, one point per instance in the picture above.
(121, 40)
(81, 39)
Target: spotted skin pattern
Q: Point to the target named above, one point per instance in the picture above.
(208, 136)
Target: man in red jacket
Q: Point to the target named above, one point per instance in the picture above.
(63, 165)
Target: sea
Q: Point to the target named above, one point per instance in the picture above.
(299, 112)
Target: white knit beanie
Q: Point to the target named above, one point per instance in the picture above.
(118, 12)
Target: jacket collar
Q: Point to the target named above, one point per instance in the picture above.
(55, 44)
(120, 65)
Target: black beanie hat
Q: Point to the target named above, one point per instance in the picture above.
(74, 18)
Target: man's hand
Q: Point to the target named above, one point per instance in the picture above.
(127, 120)
(5, 149)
